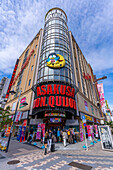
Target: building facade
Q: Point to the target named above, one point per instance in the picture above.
(55, 79)
(4, 84)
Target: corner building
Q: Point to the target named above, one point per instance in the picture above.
(62, 80)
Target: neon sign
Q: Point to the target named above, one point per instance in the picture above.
(23, 66)
(55, 95)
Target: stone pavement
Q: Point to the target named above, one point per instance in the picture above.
(36, 160)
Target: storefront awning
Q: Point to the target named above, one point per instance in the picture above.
(70, 122)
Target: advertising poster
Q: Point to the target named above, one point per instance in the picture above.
(101, 95)
(19, 133)
(106, 138)
(92, 133)
(81, 131)
(22, 101)
(23, 132)
(89, 132)
(43, 129)
(96, 131)
(38, 135)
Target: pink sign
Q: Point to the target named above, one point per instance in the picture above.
(101, 94)
(22, 101)
(38, 135)
(43, 129)
(96, 131)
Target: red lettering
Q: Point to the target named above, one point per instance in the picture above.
(37, 102)
(62, 89)
(56, 89)
(43, 89)
(38, 91)
(73, 92)
(58, 100)
(67, 102)
(71, 102)
(64, 102)
(68, 93)
(34, 104)
(49, 89)
(75, 105)
(51, 101)
(42, 101)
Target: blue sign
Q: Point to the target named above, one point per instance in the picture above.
(84, 124)
(83, 117)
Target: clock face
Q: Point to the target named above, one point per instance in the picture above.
(55, 61)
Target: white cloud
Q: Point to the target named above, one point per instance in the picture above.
(90, 22)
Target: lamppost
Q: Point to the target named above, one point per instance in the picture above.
(25, 103)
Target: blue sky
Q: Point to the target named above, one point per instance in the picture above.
(91, 23)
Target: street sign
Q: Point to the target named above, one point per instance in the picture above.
(83, 117)
(84, 124)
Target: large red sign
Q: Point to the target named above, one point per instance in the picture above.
(23, 66)
(55, 95)
(86, 76)
(12, 78)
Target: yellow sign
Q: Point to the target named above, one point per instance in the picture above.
(89, 118)
(55, 61)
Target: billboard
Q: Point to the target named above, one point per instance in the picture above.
(106, 138)
(101, 95)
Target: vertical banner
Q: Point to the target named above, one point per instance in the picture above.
(81, 131)
(43, 129)
(92, 132)
(96, 131)
(106, 138)
(38, 135)
(89, 132)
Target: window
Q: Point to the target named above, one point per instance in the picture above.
(34, 55)
(32, 67)
(29, 82)
(36, 46)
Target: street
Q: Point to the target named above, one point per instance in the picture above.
(32, 158)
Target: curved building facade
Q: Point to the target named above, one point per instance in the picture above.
(55, 42)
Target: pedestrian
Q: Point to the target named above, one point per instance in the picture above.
(54, 135)
(68, 135)
(65, 137)
(58, 135)
(45, 142)
(30, 135)
(50, 139)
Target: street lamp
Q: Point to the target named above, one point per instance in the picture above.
(25, 103)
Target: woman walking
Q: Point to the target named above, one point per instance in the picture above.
(65, 137)
(45, 142)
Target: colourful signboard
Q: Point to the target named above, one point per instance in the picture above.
(101, 94)
(55, 60)
(22, 101)
(55, 120)
(58, 95)
(55, 114)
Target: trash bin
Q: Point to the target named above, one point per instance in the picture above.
(52, 147)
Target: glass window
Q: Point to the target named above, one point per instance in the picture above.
(61, 78)
(32, 67)
(46, 71)
(62, 71)
(50, 77)
(29, 82)
(51, 71)
(56, 77)
(36, 46)
(34, 55)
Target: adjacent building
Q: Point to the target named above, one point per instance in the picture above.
(4, 84)
(56, 80)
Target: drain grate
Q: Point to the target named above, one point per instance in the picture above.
(81, 166)
(13, 162)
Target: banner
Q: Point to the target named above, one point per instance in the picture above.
(81, 131)
(38, 135)
(89, 132)
(43, 129)
(101, 95)
(92, 133)
(106, 138)
(96, 131)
